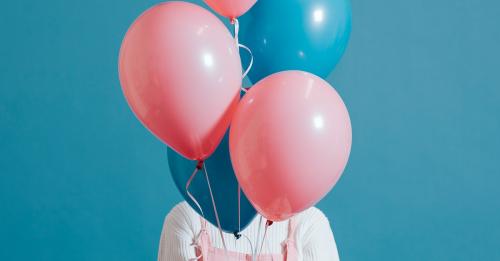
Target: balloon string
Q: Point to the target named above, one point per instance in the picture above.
(251, 247)
(238, 234)
(268, 224)
(215, 207)
(236, 33)
(188, 183)
(239, 208)
(199, 165)
(258, 235)
(251, 59)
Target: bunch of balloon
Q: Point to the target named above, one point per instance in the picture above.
(290, 137)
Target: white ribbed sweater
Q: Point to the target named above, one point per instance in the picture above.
(313, 236)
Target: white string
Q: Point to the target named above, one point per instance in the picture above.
(215, 208)
(251, 60)
(239, 207)
(188, 183)
(239, 223)
(251, 246)
(264, 238)
(258, 235)
(236, 33)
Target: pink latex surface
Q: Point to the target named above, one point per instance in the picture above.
(180, 71)
(290, 140)
(231, 8)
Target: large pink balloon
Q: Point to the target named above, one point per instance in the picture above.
(289, 141)
(181, 73)
(231, 8)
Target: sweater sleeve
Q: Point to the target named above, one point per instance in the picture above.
(177, 235)
(318, 242)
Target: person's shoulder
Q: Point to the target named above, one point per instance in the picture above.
(182, 209)
(311, 219)
(179, 229)
(312, 213)
(314, 234)
(182, 216)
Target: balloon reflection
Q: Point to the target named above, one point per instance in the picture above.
(318, 122)
(318, 16)
(208, 60)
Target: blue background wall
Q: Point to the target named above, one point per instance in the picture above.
(81, 179)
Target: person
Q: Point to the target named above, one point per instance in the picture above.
(306, 237)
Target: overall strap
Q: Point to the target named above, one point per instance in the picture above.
(291, 229)
(291, 253)
(203, 223)
(202, 242)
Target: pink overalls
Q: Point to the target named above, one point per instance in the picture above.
(207, 252)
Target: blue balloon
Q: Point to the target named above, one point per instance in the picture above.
(224, 187)
(308, 35)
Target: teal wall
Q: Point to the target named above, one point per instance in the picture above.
(81, 179)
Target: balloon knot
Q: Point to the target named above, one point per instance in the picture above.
(237, 235)
(269, 223)
(199, 165)
(232, 20)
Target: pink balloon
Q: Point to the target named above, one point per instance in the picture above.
(290, 140)
(180, 71)
(231, 8)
